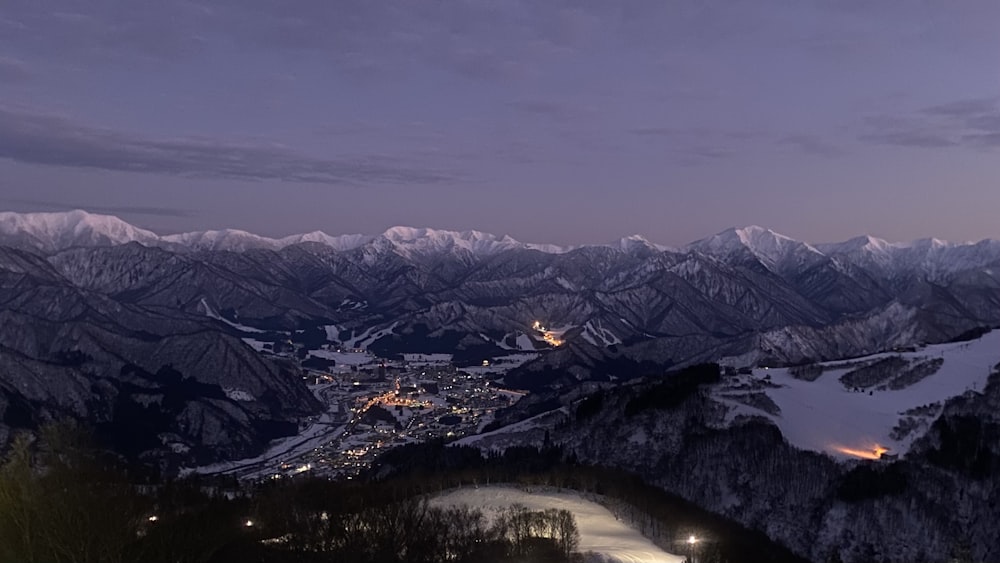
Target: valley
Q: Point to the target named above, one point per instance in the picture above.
(804, 391)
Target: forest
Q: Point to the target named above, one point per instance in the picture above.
(64, 499)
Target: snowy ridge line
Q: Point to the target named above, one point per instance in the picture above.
(55, 231)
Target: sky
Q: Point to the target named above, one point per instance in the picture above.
(559, 121)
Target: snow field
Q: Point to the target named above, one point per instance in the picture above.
(600, 531)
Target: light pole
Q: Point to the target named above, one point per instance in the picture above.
(692, 542)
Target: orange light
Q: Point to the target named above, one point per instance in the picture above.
(872, 451)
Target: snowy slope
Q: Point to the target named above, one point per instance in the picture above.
(50, 232)
(600, 531)
(226, 239)
(776, 251)
(825, 416)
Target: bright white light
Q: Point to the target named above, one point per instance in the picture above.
(248, 523)
(154, 518)
(692, 540)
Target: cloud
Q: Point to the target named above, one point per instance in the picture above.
(693, 146)
(477, 40)
(969, 123)
(914, 138)
(107, 209)
(53, 140)
(963, 108)
(812, 144)
(562, 111)
(14, 70)
(698, 155)
(656, 131)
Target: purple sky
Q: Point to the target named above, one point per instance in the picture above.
(552, 121)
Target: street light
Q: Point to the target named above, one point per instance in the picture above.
(692, 541)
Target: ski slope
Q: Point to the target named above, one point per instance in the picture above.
(823, 415)
(600, 531)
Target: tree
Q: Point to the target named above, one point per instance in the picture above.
(60, 501)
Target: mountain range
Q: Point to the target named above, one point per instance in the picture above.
(99, 302)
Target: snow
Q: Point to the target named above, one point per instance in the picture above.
(524, 342)
(344, 358)
(427, 359)
(320, 432)
(212, 314)
(257, 345)
(774, 250)
(370, 335)
(598, 335)
(51, 232)
(237, 394)
(340, 243)
(226, 239)
(632, 243)
(501, 364)
(486, 442)
(823, 415)
(600, 531)
(58, 231)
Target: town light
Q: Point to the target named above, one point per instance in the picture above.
(692, 540)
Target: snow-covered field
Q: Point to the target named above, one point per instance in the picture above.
(600, 531)
(320, 432)
(501, 364)
(823, 415)
(344, 358)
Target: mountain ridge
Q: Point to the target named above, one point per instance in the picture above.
(54, 231)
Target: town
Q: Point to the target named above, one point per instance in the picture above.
(372, 404)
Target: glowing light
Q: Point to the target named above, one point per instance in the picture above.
(870, 451)
(692, 540)
(153, 518)
(550, 337)
(248, 524)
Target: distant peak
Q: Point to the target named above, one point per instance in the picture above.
(635, 242)
(868, 242)
(425, 240)
(751, 236)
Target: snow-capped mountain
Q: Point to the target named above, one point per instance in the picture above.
(776, 252)
(236, 240)
(51, 232)
(828, 299)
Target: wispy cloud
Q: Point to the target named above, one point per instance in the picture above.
(557, 110)
(971, 123)
(108, 209)
(47, 139)
(812, 144)
(14, 70)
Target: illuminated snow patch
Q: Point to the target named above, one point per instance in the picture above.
(600, 531)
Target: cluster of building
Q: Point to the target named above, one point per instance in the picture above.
(374, 404)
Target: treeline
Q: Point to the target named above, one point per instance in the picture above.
(666, 519)
(674, 388)
(319, 521)
(62, 500)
